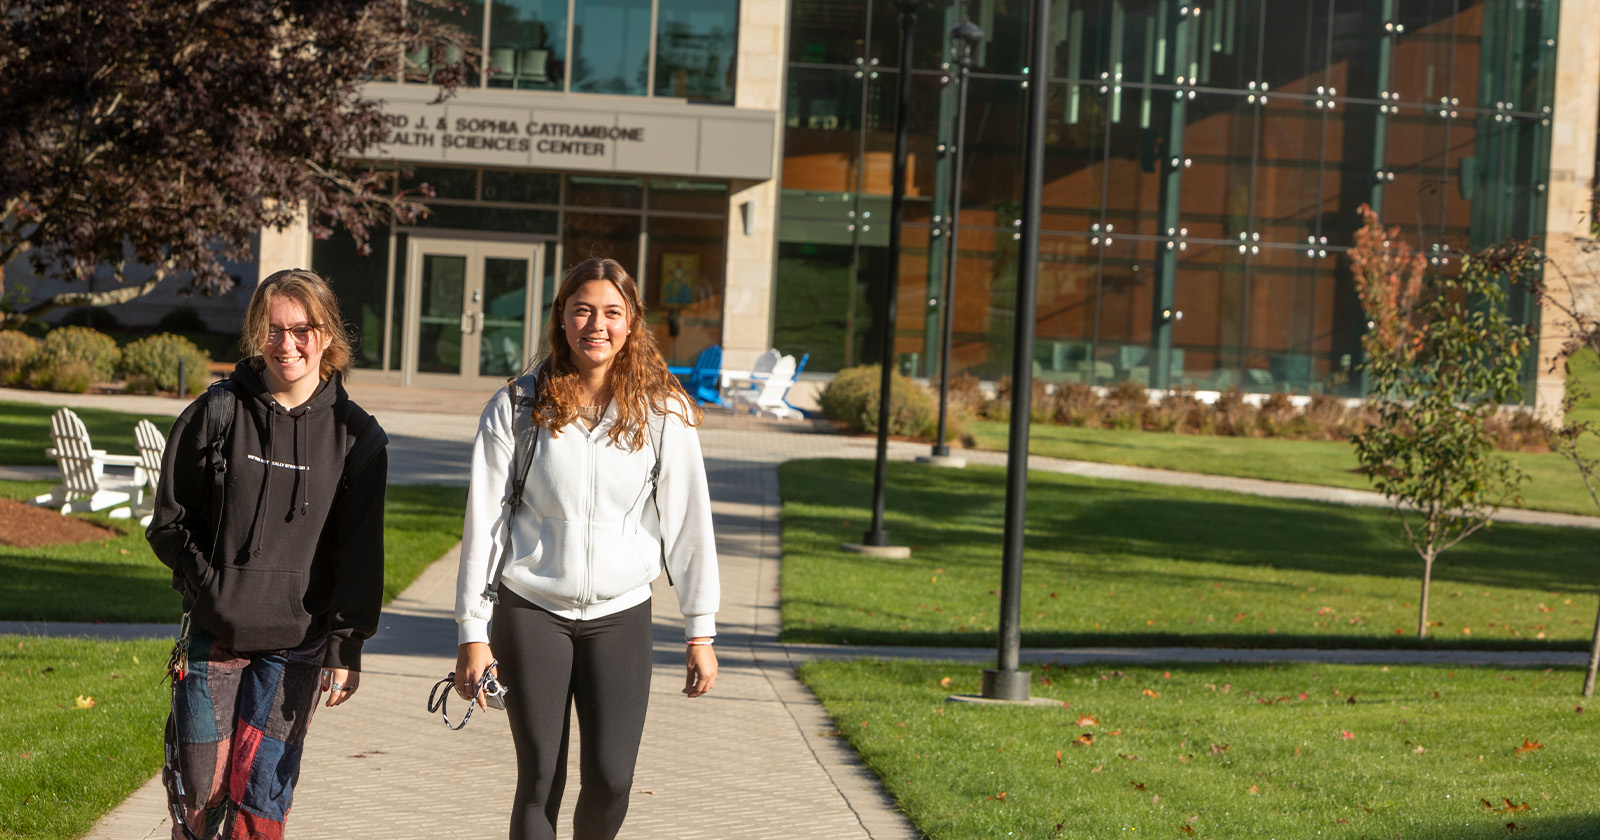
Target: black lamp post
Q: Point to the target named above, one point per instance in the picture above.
(968, 35)
(1004, 681)
(876, 536)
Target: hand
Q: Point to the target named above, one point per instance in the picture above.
(472, 659)
(340, 683)
(702, 662)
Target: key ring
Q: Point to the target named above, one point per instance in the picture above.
(493, 694)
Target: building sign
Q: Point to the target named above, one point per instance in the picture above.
(555, 132)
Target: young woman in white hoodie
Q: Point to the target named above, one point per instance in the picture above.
(571, 628)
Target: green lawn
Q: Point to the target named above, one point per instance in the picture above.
(1226, 751)
(1553, 483)
(1120, 563)
(82, 730)
(119, 579)
(25, 431)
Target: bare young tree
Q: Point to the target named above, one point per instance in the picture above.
(167, 133)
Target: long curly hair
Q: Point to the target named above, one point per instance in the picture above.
(639, 380)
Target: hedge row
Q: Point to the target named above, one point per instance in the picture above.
(72, 358)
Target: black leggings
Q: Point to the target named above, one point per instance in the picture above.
(600, 666)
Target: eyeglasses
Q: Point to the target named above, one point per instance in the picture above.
(301, 332)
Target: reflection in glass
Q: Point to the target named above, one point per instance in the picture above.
(812, 313)
(605, 191)
(827, 31)
(521, 187)
(421, 65)
(603, 235)
(696, 47)
(505, 300)
(360, 286)
(439, 326)
(611, 46)
(821, 134)
(689, 196)
(684, 290)
(447, 182)
(527, 44)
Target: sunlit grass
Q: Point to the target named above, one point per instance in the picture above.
(1124, 563)
(1226, 750)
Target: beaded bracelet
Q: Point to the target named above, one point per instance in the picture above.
(697, 642)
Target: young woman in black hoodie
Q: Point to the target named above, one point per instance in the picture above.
(270, 515)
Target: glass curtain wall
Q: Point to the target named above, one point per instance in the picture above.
(1205, 160)
(677, 49)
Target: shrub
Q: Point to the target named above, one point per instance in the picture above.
(151, 364)
(183, 319)
(1179, 411)
(16, 351)
(1039, 409)
(66, 375)
(1517, 430)
(1324, 417)
(65, 345)
(1234, 416)
(94, 317)
(1125, 405)
(1075, 404)
(1278, 417)
(967, 392)
(852, 398)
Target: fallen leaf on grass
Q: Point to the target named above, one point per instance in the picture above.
(1058, 758)
(1347, 735)
(999, 797)
(1255, 791)
(944, 683)
(1218, 749)
(1186, 829)
(1087, 720)
(1129, 757)
(1098, 769)
(1137, 785)
(1527, 746)
(1511, 826)
(1509, 807)
(1149, 693)
(1083, 740)
(85, 702)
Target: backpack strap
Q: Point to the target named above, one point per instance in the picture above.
(370, 439)
(525, 442)
(655, 480)
(218, 424)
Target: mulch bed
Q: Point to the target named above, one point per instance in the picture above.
(24, 526)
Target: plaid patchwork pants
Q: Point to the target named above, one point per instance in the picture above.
(234, 738)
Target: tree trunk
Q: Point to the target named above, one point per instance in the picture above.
(1594, 659)
(1427, 582)
(121, 294)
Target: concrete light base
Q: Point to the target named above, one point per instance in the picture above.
(888, 552)
(991, 701)
(1006, 685)
(950, 461)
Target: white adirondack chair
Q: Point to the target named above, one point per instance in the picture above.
(152, 445)
(735, 382)
(84, 482)
(765, 396)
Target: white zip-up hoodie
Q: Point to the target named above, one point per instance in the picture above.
(587, 541)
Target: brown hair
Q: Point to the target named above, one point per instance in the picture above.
(638, 377)
(316, 297)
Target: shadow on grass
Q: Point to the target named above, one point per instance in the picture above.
(44, 588)
(955, 512)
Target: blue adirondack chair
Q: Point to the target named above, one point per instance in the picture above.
(797, 368)
(703, 381)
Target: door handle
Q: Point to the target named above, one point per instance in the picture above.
(467, 323)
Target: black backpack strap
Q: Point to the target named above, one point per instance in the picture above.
(370, 439)
(525, 442)
(218, 424)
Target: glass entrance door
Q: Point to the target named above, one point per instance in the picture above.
(472, 312)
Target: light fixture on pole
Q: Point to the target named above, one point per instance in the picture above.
(967, 34)
(876, 539)
(1004, 681)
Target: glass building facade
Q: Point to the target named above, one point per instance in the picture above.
(1205, 161)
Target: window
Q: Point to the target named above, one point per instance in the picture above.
(676, 49)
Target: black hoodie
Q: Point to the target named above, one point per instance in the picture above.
(299, 551)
